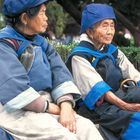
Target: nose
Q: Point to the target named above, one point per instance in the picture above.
(46, 18)
(110, 29)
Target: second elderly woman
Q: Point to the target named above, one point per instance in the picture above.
(99, 69)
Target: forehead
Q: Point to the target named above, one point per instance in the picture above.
(43, 7)
(109, 21)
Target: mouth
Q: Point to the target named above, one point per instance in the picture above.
(45, 26)
(109, 38)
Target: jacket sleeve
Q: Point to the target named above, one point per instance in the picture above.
(127, 68)
(62, 79)
(15, 90)
(89, 81)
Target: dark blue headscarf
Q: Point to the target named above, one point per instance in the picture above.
(94, 13)
(12, 8)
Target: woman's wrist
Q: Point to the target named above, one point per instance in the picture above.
(66, 103)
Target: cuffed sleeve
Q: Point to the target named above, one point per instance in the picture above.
(138, 83)
(85, 76)
(21, 100)
(64, 89)
(95, 93)
(89, 81)
(66, 98)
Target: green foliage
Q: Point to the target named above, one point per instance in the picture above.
(2, 23)
(63, 50)
(57, 18)
(132, 53)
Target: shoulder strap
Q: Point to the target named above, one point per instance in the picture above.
(98, 55)
(12, 43)
(11, 38)
(8, 33)
(110, 51)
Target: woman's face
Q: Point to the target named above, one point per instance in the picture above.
(103, 32)
(39, 23)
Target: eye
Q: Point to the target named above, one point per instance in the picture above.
(112, 25)
(105, 26)
(43, 12)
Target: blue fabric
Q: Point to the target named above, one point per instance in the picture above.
(96, 93)
(94, 13)
(13, 76)
(132, 133)
(97, 54)
(138, 83)
(40, 73)
(9, 32)
(107, 65)
(4, 135)
(47, 66)
(36, 73)
(111, 50)
(10, 8)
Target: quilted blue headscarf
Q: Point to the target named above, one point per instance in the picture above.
(94, 13)
(12, 8)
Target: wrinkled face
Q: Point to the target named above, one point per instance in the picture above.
(103, 32)
(39, 23)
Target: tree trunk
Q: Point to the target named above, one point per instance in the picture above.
(129, 25)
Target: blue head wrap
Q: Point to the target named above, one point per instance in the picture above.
(94, 13)
(12, 8)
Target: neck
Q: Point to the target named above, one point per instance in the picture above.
(85, 37)
(27, 36)
(98, 45)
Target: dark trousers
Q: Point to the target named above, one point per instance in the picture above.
(113, 121)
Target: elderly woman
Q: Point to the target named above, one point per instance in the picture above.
(37, 94)
(99, 69)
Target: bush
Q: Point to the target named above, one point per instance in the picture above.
(63, 50)
(132, 53)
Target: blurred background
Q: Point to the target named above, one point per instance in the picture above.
(65, 16)
(64, 25)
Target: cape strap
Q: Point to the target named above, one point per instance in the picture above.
(12, 38)
(12, 43)
(97, 54)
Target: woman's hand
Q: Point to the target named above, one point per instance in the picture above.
(135, 107)
(67, 116)
(100, 101)
(112, 98)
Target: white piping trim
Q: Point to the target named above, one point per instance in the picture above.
(21, 100)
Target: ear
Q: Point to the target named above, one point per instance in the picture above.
(24, 18)
(89, 32)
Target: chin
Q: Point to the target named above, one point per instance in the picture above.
(107, 42)
(41, 32)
